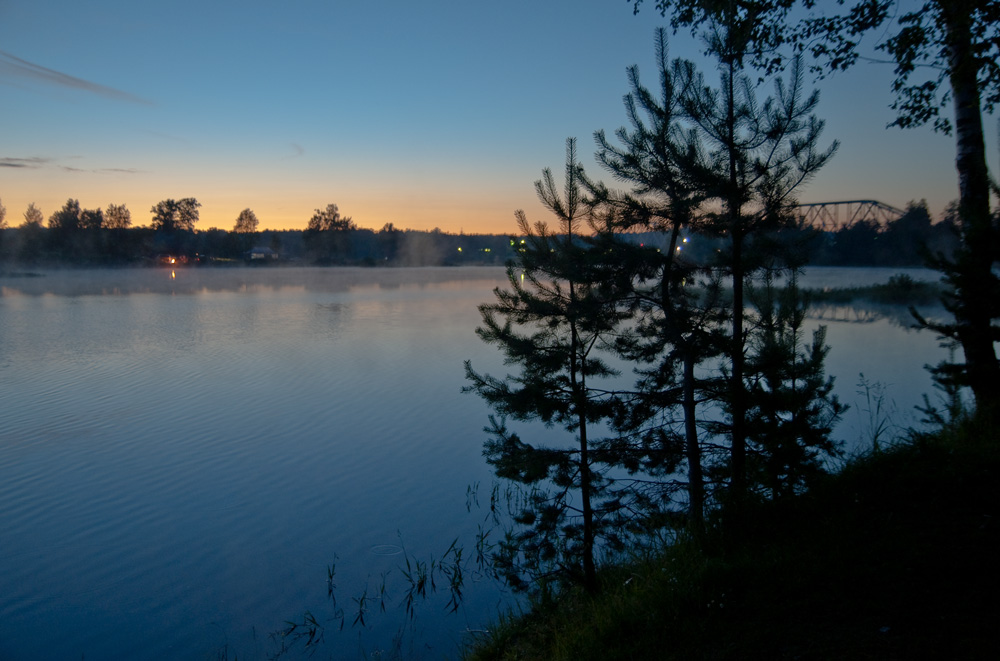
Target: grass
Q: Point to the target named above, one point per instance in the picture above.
(895, 557)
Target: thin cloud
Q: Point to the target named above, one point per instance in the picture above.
(297, 149)
(118, 171)
(38, 162)
(69, 168)
(14, 65)
(32, 163)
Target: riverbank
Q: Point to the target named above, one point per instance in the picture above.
(892, 558)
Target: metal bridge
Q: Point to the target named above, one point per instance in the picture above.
(833, 216)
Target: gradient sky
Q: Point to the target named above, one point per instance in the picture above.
(428, 114)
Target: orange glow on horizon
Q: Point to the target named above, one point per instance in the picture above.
(283, 218)
(470, 220)
(470, 211)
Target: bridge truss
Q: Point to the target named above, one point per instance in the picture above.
(834, 216)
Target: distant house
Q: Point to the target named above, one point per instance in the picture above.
(261, 253)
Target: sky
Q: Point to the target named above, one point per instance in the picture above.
(434, 114)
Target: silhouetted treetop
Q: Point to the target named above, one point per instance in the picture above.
(924, 40)
(32, 216)
(172, 215)
(246, 222)
(117, 216)
(92, 219)
(329, 219)
(67, 218)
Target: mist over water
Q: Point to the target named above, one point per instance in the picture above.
(183, 453)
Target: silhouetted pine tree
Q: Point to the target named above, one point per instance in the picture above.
(717, 161)
(754, 157)
(791, 409)
(677, 323)
(560, 311)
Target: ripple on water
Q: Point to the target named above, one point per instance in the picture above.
(386, 549)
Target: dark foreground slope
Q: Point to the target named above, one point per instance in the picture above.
(896, 557)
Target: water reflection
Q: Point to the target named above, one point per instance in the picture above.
(862, 312)
(191, 281)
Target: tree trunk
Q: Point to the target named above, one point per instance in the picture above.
(578, 380)
(589, 567)
(734, 203)
(973, 265)
(696, 484)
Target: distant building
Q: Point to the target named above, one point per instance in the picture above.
(261, 253)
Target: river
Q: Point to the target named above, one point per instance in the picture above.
(185, 454)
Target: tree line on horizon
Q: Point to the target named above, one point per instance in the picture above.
(74, 236)
(94, 237)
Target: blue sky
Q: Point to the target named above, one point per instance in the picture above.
(433, 114)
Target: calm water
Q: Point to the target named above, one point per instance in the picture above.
(183, 454)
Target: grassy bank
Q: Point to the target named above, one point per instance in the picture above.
(895, 557)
